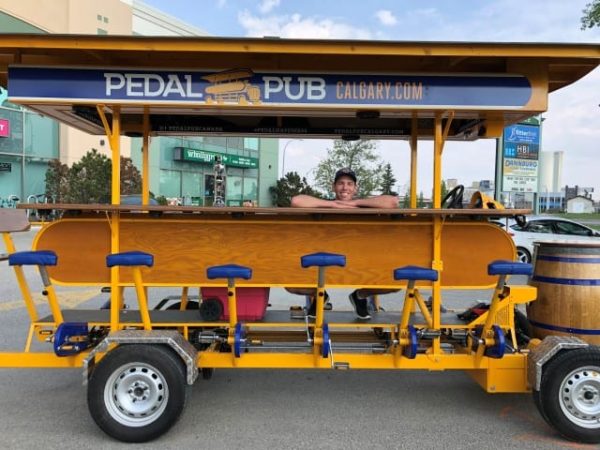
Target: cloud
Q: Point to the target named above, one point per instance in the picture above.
(296, 26)
(221, 3)
(267, 5)
(570, 120)
(386, 17)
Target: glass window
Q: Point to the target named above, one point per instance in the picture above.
(250, 189)
(102, 31)
(192, 184)
(10, 177)
(251, 143)
(14, 142)
(539, 226)
(105, 19)
(99, 17)
(234, 188)
(170, 183)
(40, 136)
(571, 228)
(235, 142)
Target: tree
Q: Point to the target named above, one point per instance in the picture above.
(388, 181)
(421, 200)
(57, 184)
(288, 186)
(591, 15)
(131, 179)
(360, 157)
(406, 201)
(89, 179)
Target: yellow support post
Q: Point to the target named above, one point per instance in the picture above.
(184, 298)
(414, 133)
(142, 298)
(23, 286)
(146, 158)
(53, 302)
(114, 135)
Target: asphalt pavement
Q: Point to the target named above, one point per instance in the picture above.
(259, 409)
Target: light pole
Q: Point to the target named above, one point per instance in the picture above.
(283, 157)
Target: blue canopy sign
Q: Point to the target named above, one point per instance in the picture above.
(245, 87)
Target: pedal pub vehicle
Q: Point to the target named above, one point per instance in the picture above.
(139, 363)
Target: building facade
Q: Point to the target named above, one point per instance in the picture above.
(252, 163)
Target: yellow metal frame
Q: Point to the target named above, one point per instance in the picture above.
(547, 67)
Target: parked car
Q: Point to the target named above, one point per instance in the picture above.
(548, 229)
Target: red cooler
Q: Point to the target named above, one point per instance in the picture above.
(251, 301)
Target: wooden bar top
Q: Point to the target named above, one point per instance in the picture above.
(238, 210)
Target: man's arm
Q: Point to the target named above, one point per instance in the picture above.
(307, 201)
(381, 201)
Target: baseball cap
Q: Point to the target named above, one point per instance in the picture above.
(345, 172)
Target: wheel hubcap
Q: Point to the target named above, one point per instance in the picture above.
(580, 397)
(522, 256)
(136, 394)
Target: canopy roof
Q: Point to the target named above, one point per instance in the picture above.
(271, 86)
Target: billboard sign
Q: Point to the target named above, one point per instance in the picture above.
(520, 158)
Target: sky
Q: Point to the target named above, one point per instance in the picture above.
(572, 122)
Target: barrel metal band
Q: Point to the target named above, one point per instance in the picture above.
(569, 330)
(567, 281)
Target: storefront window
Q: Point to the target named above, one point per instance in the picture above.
(192, 185)
(41, 136)
(10, 178)
(251, 143)
(234, 191)
(170, 183)
(250, 189)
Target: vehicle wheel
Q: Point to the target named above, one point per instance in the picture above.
(522, 328)
(207, 373)
(537, 400)
(211, 309)
(191, 304)
(523, 255)
(137, 392)
(570, 394)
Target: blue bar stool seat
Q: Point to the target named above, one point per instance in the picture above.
(135, 260)
(503, 267)
(229, 271)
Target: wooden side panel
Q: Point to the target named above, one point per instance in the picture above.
(184, 249)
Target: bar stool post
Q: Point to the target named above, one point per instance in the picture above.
(232, 302)
(52, 299)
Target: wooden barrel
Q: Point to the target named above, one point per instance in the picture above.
(568, 280)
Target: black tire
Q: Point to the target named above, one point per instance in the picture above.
(191, 304)
(137, 392)
(207, 373)
(211, 309)
(522, 328)
(523, 255)
(570, 394)
(537, 400)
